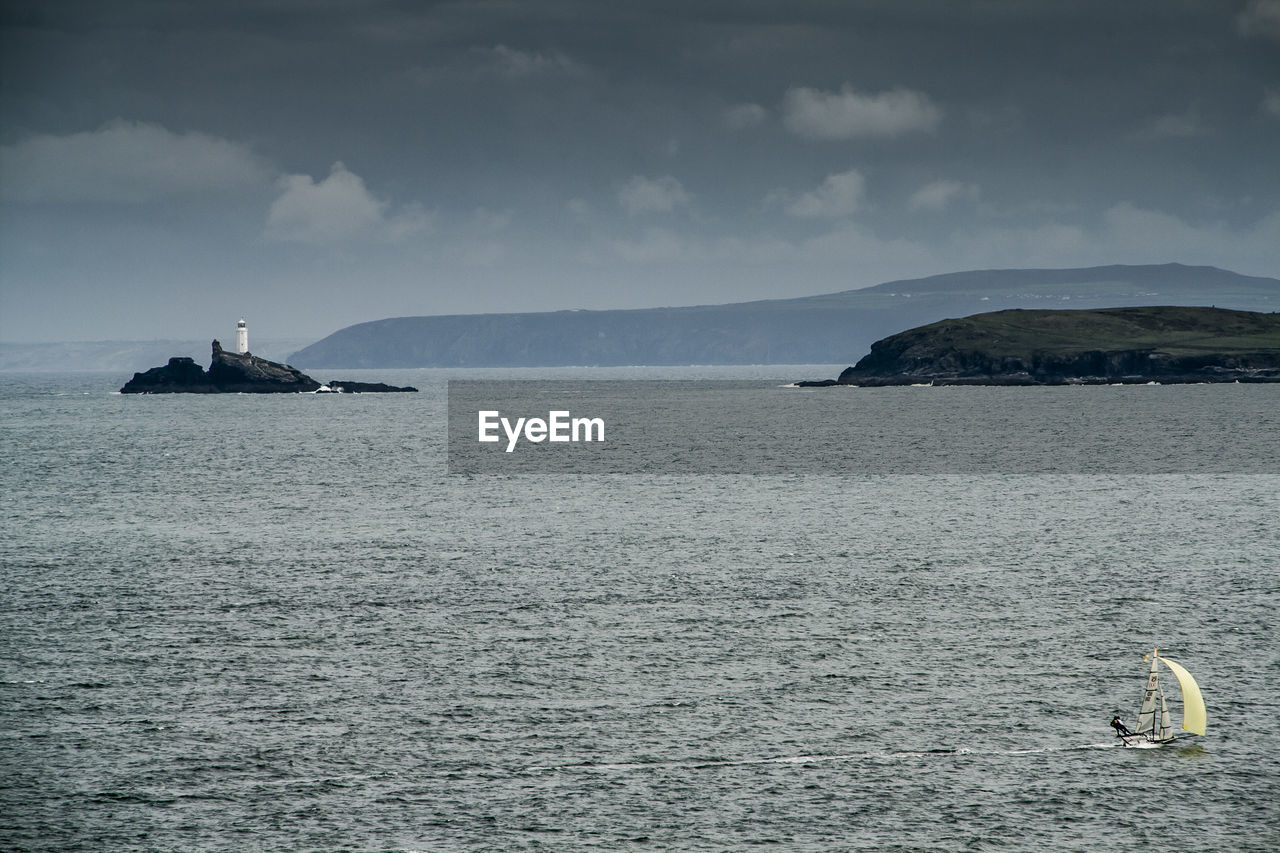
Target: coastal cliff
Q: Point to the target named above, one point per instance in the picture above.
(1167, 344)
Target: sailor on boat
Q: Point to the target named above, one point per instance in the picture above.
(1119, 726)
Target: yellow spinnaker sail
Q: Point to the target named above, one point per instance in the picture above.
(1192, 702)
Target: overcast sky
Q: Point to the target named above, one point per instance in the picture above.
(167, 167)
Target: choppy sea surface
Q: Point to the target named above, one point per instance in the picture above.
(275, 622)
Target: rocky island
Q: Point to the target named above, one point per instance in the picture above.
(238, 373)
(1165, 344)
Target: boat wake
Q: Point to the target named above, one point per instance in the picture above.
(853, 757)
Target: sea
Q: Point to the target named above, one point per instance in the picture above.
(278, 623)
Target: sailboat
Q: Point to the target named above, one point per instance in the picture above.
(1154, 724)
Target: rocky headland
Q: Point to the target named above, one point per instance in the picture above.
(1165, 344)
(236, 373)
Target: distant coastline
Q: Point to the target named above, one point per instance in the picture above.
(831, 328)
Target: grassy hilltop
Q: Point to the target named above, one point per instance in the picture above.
(1161, 343)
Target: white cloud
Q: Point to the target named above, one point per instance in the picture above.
(336, 209)
(126, 162)
(652, 195)
(743, 116)
(1260, 18)
(839, 195)
(847, 114)
(938, 195)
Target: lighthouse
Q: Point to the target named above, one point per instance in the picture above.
(242, 337)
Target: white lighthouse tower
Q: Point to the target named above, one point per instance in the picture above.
(242, 337)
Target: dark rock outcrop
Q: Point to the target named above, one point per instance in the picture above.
(248, 374)
(346, 386)
(180, 374)
(228, 373)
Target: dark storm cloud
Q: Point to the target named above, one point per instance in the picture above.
(465, 156)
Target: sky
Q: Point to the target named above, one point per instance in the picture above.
(169, 167)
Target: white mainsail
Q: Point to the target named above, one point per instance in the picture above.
(1147, 710)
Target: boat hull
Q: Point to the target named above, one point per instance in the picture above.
(1146, 741)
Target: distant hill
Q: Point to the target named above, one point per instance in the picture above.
(825, 329)
(1026, 347)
